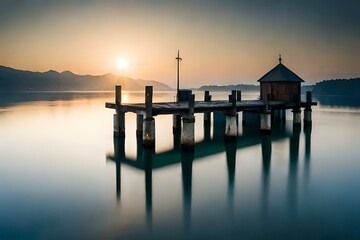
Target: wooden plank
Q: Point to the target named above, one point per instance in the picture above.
(202, 106)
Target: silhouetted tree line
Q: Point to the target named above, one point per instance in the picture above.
(345, 87)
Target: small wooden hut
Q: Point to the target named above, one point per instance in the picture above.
(281, 84)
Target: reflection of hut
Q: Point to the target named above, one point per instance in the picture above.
(281, 84)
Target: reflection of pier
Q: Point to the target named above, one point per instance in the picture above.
(292, 183)
(205, 148)
(147, 160)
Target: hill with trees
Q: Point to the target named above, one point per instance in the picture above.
(340, 87)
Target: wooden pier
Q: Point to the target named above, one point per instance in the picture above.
(186, 106)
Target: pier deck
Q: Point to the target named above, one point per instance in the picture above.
(201, 106)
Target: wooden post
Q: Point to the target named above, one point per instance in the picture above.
(238, 96)
(238, 99)
(139, 124)
(148, 101)
(232, 96)
(307, 111)
(188, 130)
(182, 96)
(265, 123)
(231, 126)
(176, 123)
(119, 117)
(297, 117)
(118, 94)
(265, 117)
(207, 115)
(149, 121)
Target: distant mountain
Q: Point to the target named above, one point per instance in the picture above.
(338, 87)
(19, 80)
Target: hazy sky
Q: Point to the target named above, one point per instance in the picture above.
(221, 41)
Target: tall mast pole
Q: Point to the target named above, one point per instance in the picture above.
(178, 75)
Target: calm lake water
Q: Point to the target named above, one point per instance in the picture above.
(64, 176)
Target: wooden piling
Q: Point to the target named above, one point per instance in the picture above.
(265, 123)
(148, 101)
(238, 96)
(139, 124)
(231, 126)
(297, 117)
(182, 96)
(188, 129)
(207, 115)
(282, 115)
(149, 121)
(119, 117)
(265, 117)
(118, 94)
(308, 111)
(176, 123)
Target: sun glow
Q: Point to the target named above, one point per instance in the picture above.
(122, 64)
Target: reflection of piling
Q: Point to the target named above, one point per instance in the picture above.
(307, 131)
(119, 152)
(231, 147)
(279, 116)
(266, 162)
(293, 168)
(148, 159)
(187, 158)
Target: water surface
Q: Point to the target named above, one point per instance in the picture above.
(64, 176)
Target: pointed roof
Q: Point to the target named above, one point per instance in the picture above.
(280, 73)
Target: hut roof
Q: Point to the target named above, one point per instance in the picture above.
(280, 73)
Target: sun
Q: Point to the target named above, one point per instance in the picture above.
(122, 64)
